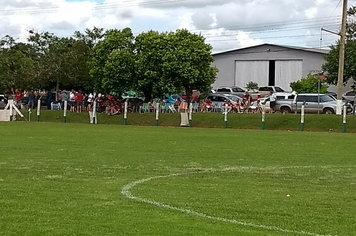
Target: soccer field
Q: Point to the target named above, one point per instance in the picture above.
(77, 179)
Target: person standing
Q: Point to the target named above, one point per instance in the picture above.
(90, 101)
(64, 97)
(79, 100)
(72, 100)
(49, 99)
(31, 100)
(272, 102)
(18, 98)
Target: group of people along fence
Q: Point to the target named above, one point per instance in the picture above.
(78, 101)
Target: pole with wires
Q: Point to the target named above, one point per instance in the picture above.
(340, 80)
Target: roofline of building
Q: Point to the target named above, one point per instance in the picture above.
(314, 50)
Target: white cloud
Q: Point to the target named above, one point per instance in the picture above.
(226, 24)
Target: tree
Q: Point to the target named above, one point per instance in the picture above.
(309, 85)
(90, 37)
(109, 59)
(150, 51)
(61, 62)
(16, 66)
(350, 23)
(331, 65)
(188, 63)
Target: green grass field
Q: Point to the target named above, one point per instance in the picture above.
(313, 122)
(78, 179)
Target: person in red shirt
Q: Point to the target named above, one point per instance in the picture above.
(18, 98)
(227, 106)
(79, 101)
(208, 105)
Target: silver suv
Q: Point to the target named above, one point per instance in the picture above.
(218, 100)
(313, 103)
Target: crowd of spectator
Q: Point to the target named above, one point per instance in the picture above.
(244, 105)
(79, 101)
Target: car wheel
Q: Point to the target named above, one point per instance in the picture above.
(328, 111)
(285, 110)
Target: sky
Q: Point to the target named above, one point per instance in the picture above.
(226, 24)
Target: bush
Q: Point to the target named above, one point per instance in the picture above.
(309, 85)
(251, 86)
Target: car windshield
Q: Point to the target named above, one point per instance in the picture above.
(278, 90)
(325, 98)
(236, 90)
(233, 98)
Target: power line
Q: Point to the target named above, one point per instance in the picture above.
(272, 24)
(272, 37)
(287, 28)
(332, 13)
(234, 33)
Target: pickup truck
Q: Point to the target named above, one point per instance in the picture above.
(234, 90)
(313, 103)
(266, 90)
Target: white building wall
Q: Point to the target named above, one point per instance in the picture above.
(288, 71)
(246, 71)
(226, 63)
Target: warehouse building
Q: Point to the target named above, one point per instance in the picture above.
(267, 64)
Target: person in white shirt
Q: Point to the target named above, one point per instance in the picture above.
(72, 101)
(272, 101)
(90, 101)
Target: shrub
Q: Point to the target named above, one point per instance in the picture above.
(251, 86)
(309, 85)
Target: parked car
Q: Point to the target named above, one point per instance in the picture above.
(279, 96)
(266, 90)
(343, 99)
(349, 95)
(234, 97)
(218, 100)
(3, 101)
(231, 90)
(313, 103)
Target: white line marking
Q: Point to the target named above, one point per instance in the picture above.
(126, 191)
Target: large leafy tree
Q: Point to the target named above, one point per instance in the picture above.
(16, 66)
(188, 62)
(90, 37)
(61, 62)
(331, 65)
(151, 48)
(112, 61)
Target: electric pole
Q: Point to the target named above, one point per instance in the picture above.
(340, 80)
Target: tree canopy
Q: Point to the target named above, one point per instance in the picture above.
(309, 85)
(331, 65)
(111, 61)
(152, 63)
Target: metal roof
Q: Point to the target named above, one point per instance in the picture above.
(314, 50)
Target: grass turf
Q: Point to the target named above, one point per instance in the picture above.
(66, 179)
(320, 123)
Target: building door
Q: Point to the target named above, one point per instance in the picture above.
(247, 71)
(288, 71)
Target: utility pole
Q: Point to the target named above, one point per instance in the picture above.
(340, 80)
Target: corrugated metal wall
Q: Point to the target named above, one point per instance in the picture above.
(288, 71)
(256, 71)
